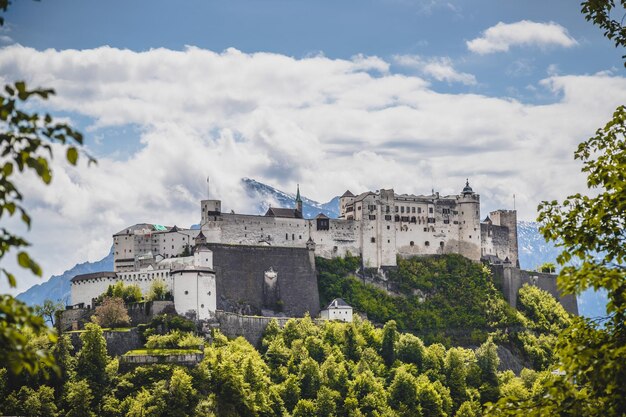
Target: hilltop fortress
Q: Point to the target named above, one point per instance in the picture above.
(265, 264)
(378, 225)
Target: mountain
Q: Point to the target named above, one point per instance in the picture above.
(533, 249)
(57, 288)
(266, 196)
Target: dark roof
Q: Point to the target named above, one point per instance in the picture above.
(85, 277)
(283, 212)
(337, 302)
(348, 194)
(467, 189)
(487, 220)
(321, 216)
(173, 229)
(194, 269)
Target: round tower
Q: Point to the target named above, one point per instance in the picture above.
(469, 223)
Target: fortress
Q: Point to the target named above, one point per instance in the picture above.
(378, 225)
(265, 264)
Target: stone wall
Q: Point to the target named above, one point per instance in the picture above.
(250, 328)
(240, 273)
(142, 313)
(118, 341)
(511, 279)
(128, 362)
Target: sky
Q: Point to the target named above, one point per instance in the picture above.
(332, 95)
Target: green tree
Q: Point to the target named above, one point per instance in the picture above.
(48, 310)
(488, 361)
(158, 291)
(78, 399)
(92, 358)
(548, 267)
(456, 375)
(305, 408)
(26, 141)
(410, 349)
(403, 391)
(18, 323)
(181, 396)
(390, 337)
(600, 13)
(112, 313)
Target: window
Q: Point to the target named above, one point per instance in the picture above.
(431, 220)
(201, 305)
(388, 227)
(446, 221)
(286, 236)
(387, 209)
(373, 240)
(419, 210)
(427, 243)
(426, 229)
(397, 209)
(412, 243)
(402, 209)
(446, 211)
(441, 244)
(293, 236)
(387, 217)
(186, 292)
(358, 207)
(372, 217)
(430, 209)
(412, 209)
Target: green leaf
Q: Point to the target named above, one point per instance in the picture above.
(72, 155)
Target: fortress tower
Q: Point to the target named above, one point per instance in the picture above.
(469, 223)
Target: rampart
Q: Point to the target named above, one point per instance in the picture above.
(250, 328)
(240, 274)
(511, 279)
(119, 341)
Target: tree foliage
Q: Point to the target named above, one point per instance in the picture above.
(111, 313)
(590, 229)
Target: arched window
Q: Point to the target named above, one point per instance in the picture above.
(427, 243)
(412, 243)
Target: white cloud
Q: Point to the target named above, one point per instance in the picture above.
(439, 68)
(503, 36)
(328, 124)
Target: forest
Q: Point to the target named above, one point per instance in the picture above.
(382, 367)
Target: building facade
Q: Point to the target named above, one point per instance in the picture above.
(378, 226)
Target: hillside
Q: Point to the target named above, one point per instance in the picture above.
(451, 300)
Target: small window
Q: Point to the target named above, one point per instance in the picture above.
(430, 209)
(427, 243)
(397, 209)
(402, 209)
(441, 244)
(201, 305)
(388, 227)
(412, 243)
(209, 293)
(412, 209)
(286, 236)
(186, 292)
(373, 240)
(372, 217)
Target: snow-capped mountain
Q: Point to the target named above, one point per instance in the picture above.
(533, 249)
(266, 196)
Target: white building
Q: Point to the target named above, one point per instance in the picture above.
(190, 279)
(338, 309)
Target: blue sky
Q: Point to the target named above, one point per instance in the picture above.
(338, 94)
